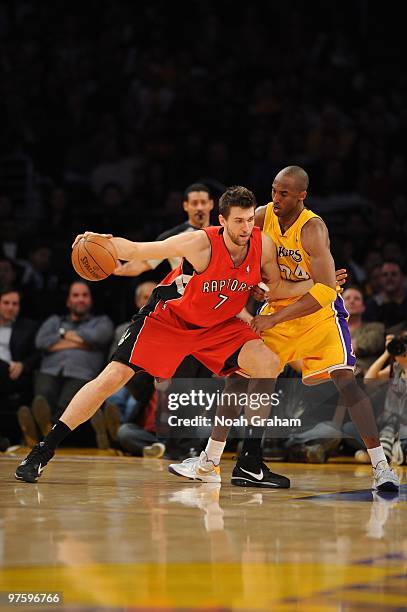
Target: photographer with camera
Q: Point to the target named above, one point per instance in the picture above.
(392, 365)
(392, 420)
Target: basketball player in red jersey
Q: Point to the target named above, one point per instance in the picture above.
(192, 311)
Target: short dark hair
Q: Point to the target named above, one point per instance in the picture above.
(5, 290)
(236, 196)
(299, 174)
(79, 281)
(196, 187)
(393, 262)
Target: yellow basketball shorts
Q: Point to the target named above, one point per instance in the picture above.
(323, 347)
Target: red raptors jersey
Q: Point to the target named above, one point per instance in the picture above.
(218, 293)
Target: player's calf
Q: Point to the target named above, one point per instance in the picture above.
(82, 406)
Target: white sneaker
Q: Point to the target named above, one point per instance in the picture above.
(384, 478)
(397, 456)
(197, 468)
(155, 450)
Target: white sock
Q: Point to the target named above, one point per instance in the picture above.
(376, 455)
(214, 450)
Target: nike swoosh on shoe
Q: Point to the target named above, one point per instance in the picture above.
(256, 476)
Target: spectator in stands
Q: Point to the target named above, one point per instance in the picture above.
(18, 356)
(142, 294)
(8, 273)
(367, 338)
(135, 405)
(74, 350)
(392, 421)
(120, 405)
(39, 282)
(137, 435)
(356, 274)
(390, 306)
(373, 286)
(198, 204)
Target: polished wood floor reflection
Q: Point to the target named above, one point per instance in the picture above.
(120, 533)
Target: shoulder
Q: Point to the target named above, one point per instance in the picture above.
(266, 241)
(314, 225)
(375, 327)
(268, 247)
(100, 320)
(259, 215)
(314, 234)
(52, 320)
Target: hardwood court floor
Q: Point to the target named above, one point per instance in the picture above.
(120, 533)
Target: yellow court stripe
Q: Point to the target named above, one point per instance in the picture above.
(254, 586)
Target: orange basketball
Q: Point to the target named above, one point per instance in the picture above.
(94, 258)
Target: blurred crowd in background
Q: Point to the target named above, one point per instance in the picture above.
(106, 116)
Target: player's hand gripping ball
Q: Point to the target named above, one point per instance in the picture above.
(94, 256)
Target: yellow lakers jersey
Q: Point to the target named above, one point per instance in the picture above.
(293, 260)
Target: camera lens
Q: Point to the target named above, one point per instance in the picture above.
(398, 346)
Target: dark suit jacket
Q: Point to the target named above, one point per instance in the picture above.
(22, 344)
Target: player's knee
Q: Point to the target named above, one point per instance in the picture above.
(269, 363)
(260, 362)
(113, 377)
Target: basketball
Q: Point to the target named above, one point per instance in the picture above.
(94, 258)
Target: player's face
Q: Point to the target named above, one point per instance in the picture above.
(392, 278)
(198, 206)
(353, 301)
(9, 306)
(286, 196)
(79, 299)
(239, 224)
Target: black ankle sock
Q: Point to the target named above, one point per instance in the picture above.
(252, 441)
(57, 434)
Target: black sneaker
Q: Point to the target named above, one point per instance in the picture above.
(251, 471)
(30, 469)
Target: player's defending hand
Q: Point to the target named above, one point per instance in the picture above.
(263, 322)
(260, 292)
(341, 276)
(87, 234)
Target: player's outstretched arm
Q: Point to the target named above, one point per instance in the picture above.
(132, 268)
(315, 240)
(192, 245)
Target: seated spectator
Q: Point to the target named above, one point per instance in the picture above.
(137, 435)
(367, 338)
(9, 273)
(18, 356)
(356, 273)
(392, 421)
(390, 306)
(373, 287)
(74, 351)
(39, 282)
(142, 294)
(123, 399)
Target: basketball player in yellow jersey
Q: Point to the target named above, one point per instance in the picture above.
(314, 328)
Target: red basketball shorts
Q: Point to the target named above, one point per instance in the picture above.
(158, 343)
